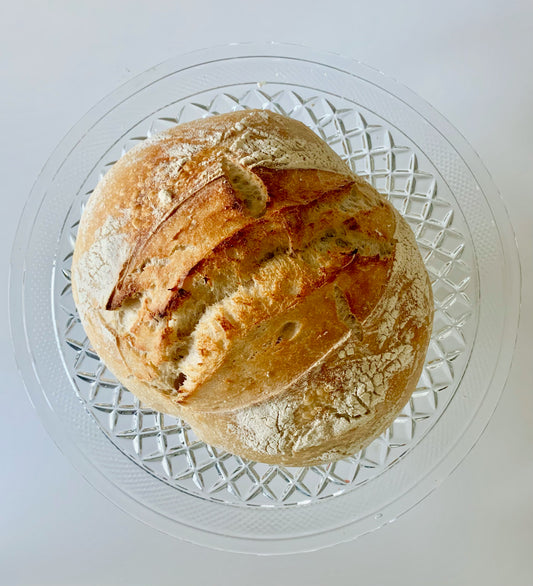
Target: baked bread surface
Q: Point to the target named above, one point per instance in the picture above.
(233, 271)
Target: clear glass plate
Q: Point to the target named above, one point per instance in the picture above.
(151, 464)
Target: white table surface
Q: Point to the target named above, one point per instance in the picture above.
(472, 61)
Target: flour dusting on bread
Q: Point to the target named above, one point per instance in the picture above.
(98, 268)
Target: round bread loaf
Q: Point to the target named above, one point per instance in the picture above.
(233, 271)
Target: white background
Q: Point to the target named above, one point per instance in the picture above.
(472, 61)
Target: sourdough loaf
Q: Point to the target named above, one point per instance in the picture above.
(233, 271)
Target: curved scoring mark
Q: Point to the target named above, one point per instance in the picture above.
(345, 314)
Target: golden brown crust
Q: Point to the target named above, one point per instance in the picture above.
(233, 271)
